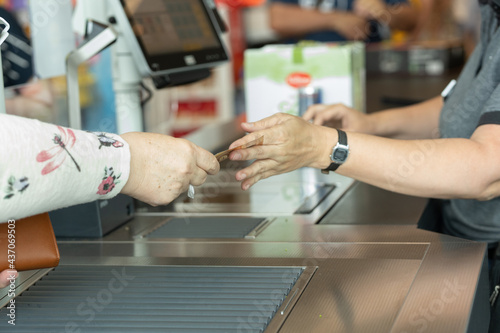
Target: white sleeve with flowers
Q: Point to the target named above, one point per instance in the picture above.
(45, 167)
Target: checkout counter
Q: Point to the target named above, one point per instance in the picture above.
(300, 252)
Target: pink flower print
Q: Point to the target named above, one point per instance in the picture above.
(106, 186)
(108, 182)
(64, 142)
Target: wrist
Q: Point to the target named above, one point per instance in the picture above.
(131, 185)
(328, 139)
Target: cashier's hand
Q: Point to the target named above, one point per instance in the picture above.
(162, 167)
(370, 9)
(289, 143)
(339, 116)
(6, 276)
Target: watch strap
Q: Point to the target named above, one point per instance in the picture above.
(342, 137)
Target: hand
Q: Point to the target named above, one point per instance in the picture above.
(289, 143)
(162, 167)
(6, 276)
(338, 116)
(370, 9)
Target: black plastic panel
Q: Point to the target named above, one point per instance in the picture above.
(206, 227)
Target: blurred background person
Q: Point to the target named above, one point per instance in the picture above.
(341, 20)
(445, 20)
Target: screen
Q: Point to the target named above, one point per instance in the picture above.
(169, 27)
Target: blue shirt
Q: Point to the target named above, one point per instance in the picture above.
(330, 5)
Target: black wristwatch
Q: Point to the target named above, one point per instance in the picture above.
(339, 153)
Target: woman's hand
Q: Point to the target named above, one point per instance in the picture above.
(339, 116)
(6, 276)
(289, 143)
(162, 167)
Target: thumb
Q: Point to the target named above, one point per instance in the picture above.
(5, 277)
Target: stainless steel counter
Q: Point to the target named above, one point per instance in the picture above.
(366, 204)
(364, 278)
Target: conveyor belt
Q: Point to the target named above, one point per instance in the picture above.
(152, 299)
(206, 227)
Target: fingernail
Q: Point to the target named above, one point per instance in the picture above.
(242, 177)
(246, 187)
(236, 157)
(249, 124)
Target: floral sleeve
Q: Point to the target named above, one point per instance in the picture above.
(45, 167)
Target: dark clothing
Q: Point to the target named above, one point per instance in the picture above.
(475, 101)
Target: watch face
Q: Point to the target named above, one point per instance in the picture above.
(340, 155)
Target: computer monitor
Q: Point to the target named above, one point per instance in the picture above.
(170, 36)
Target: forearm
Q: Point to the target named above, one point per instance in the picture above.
(440, 168)
(419, 121)
(349, 25)
(46, 167)
(292, 20)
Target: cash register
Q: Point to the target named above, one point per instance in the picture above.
(172, 41)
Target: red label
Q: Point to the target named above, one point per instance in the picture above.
(298, 79)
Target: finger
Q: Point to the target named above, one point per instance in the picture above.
(206, 161)
(267, 134)
(319, 120)
(265, 128)
(326, 119)
(199, 177)
(255, 153)
(6, 277)
(332, 114)
(266, 123)
(244, 140)
(257, 167)
(312, 111)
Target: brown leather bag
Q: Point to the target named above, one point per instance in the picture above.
(35, 245)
